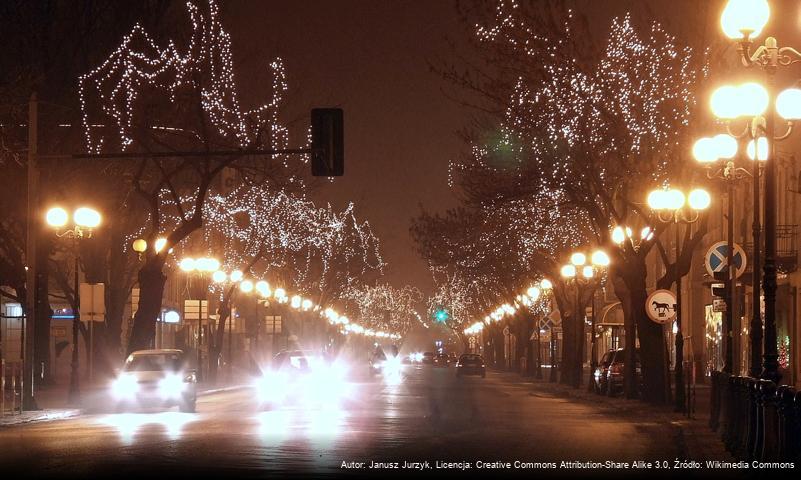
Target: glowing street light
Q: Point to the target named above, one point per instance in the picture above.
(744, 19)
(246, 286)
(57, 217)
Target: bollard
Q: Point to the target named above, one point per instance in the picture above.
(742, 400)
(714, 402)
(752, 393)
(733, 415)
(770, 422)
(786, 411)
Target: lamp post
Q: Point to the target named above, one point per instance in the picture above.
(201, 267)
(742, 21)
(599, 260)
(670, 207)
(84, 221)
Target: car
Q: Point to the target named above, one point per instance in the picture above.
(600, 375)
(471, 364)
(441, 360)
(377, 361)
(452, 358)
(302, 378)
(428, 358)
(616, 369)
(155, 378)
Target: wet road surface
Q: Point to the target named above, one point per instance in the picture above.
(430, 415)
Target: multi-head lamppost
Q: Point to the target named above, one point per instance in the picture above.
(742, 21)
(201, 268)
(709, 152)
(670, 206)
(84, 221)
(599, 260)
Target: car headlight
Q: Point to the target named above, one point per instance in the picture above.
(272, 387)
(171, 386)
(124, 386)
(391, 366)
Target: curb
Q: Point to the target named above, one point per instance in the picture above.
(49, 415)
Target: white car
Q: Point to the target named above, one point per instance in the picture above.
(303, 378)
(155, 378)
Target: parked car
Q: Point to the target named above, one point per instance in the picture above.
(428, 358)
(471, 364)
(615, 371)
(600, 375)
(155, 378)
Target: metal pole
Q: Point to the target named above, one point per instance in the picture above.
(593, 351)
(728, 362)
(580, 335)
(74, 392)
(678, 369)
(230, 344)
(771, 356)
(756, 313)
(28, 401)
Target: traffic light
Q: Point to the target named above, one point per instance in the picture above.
(327, 142)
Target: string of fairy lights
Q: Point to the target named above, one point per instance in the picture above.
(320, 251)
(139, 66)
(535, 299)
(571, 128)
(263, 289)
(389, 306)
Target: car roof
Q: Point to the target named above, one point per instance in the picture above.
(159, 351)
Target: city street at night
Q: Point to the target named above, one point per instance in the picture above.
(430, 415)
(337, 238)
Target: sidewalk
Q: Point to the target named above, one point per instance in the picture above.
(54, 405)
(697, 440)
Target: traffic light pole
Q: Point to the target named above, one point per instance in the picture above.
(32, 229)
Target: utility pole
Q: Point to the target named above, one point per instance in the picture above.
(32, 229)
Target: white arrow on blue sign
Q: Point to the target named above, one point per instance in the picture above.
(717, 256)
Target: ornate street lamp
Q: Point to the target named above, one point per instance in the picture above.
(743, 20)
(580, 273)
(84, 221)
(670, 207)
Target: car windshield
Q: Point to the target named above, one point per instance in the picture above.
(300, 361)
(470, 359)
(153, 362)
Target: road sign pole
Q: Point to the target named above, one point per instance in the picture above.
(729, 337)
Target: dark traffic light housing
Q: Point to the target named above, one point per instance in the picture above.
(327, 143)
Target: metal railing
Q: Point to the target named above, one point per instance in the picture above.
(756, 419)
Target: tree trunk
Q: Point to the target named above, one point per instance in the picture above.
(530, 354)
(567, 366)
(151, 290)
(651, 337)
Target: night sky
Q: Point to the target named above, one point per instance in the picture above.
(371, 59)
